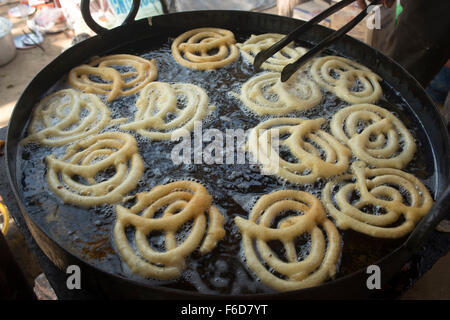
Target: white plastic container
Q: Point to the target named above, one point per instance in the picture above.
(7, 47)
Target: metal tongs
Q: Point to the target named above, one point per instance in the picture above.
(290, 69)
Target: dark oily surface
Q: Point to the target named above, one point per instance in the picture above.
(87, 233)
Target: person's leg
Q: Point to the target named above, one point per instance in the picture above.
(420, 42)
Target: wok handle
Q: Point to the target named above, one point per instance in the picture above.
(440, 210)
(86, 13)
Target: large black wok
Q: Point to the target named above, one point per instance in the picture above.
(433, 138)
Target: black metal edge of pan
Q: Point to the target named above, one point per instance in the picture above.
(115, 286)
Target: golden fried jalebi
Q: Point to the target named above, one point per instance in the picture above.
(180, 202)
(195, 48)
(159, 100)
(295, 273)
(77, 177)
(317, 154)
(266, 94)
(387, 194)
(258, 43)
(58, 119)
(114, 83)
(374, 135)
(341, 76)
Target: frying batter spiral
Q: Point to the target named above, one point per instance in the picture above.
(295, 272)
(258, 43)
(374, 135)
(114, 83)
(340, 76)
(390, 192)
(158, 100)
(59, 118)
(266, 94)
(317, 154)
(193, 48)
(77, 177)
(180, 202)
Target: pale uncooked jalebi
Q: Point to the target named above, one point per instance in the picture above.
(82, 176)
(114, 83)
(310, 219)
(67, 116)
(180, 202)
(374, 135)
(258, 43)
(376, 201)
(184, 102)
(266, 94)
(195, 48)
(317, 154)
(349, 80)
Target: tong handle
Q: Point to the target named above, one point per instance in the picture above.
(266, 54)
(290, 69)
(86, 13)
